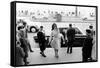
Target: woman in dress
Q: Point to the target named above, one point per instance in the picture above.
(55, 39)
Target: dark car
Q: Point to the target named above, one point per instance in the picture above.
(79, 38)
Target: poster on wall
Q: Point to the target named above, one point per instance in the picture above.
(52, 33)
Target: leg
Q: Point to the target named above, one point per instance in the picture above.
(90, 51)
(85, 54)
(85, 58)
(30, 47)
(70, 49)
(56, 53)
(25, 58)
(25, 61)
(42, 48)
(40, 45)
(71, 44)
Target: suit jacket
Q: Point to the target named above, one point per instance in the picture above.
(71, 33)
(41, 37)
(87, 46)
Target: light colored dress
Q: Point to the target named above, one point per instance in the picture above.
(55, 39)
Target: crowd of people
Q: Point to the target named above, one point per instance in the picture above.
(23, 45)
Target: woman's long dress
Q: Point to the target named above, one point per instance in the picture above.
(55, 43)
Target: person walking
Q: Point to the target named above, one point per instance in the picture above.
(55, 39)
(41, 40)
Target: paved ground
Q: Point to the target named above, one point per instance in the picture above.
(36, 58)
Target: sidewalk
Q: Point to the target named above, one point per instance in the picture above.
(36, 58)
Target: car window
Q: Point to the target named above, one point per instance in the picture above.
(78, 31)
(64, 30)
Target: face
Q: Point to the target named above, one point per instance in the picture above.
(41, 29)
(55, 26)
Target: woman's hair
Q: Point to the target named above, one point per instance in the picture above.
(54, 25)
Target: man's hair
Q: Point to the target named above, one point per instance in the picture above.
(90, 26)
(70, 25)
(41, 26)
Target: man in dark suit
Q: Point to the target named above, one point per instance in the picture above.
(71, 37)
(41, 40)
(87, 46)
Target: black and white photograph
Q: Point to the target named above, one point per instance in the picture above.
(50, 33)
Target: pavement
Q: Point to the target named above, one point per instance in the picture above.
(36, 58)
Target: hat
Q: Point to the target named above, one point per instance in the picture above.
(88, 31)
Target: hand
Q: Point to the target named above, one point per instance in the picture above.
(63, 42)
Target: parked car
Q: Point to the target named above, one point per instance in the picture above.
(32, 29)
(79, 38)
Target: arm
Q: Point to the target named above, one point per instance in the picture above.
(50, 39)
(63, 39)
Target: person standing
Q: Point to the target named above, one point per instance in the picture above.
(94, 49)
(70, 37)
(87, 46)
(26, 36)
(19, 54)
(55, 39)
(23, 42)
(93, 54)
(41, 40)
